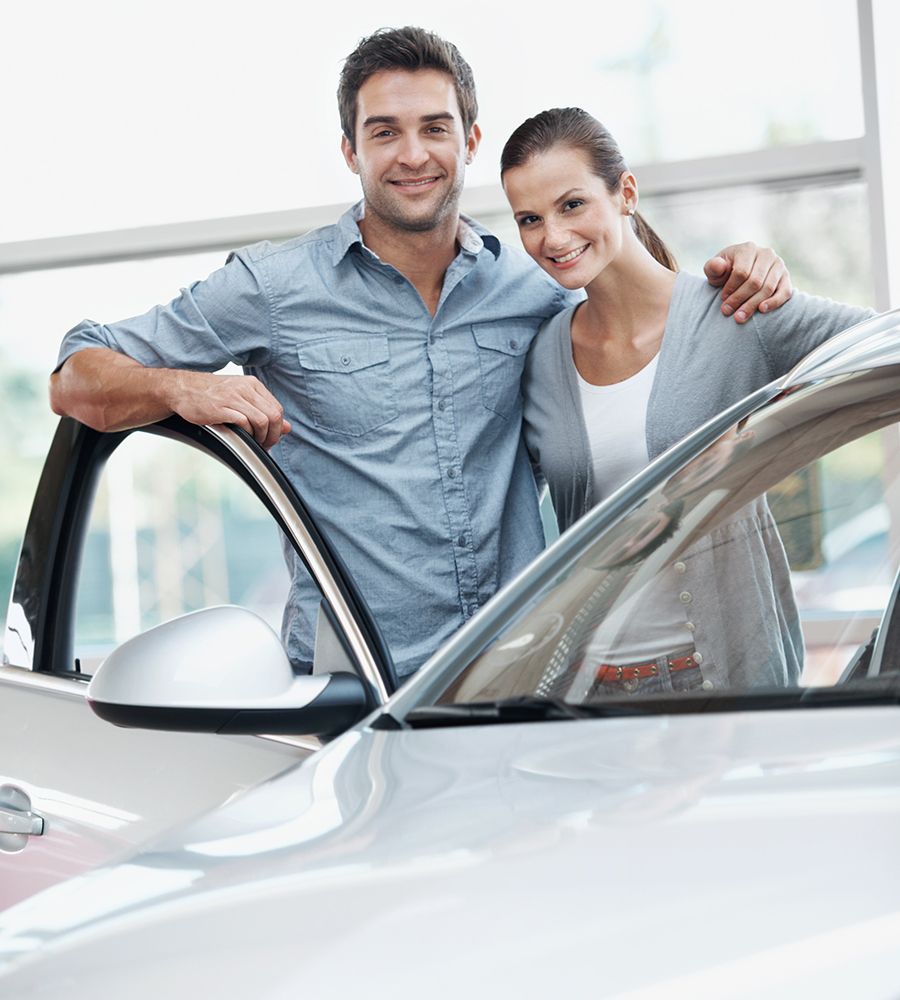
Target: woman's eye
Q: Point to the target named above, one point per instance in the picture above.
(572, 203)
(527, 220)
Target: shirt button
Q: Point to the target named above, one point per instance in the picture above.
(685, 597)
(451, 473)
(345, 360)
(398, 280)
(698, 658)
(442, 404)
(461, 541)
(514, 344)
(431, 339)
(690, 626)
(707, 685)
(679, 567)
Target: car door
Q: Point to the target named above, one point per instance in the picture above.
(75, 791)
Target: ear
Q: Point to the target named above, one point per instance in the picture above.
(628, 190)
(473, 141)
(349, 155)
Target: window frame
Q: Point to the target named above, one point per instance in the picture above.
(47, 574)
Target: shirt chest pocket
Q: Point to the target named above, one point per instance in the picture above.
(501, 349)
(346, 383)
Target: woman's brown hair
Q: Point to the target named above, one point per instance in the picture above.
(576, 129)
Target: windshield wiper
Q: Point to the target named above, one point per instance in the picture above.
(480, 713)
(874, 691)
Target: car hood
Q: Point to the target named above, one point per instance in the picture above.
(710, 856)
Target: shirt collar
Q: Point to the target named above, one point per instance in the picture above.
(471, 235)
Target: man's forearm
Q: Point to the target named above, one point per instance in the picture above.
(110, 391)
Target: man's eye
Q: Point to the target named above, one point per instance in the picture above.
(439, 129)
(381, 133)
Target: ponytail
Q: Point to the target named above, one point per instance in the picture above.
(652, 243)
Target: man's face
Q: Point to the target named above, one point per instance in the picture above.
(411, 148)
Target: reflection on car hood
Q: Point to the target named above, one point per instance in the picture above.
(642, 857)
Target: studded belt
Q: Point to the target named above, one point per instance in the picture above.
(638, 671)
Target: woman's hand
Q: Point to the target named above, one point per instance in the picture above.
(751, 278)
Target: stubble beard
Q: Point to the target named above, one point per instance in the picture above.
(389, 211)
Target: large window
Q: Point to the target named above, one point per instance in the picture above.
(36, 308)
(200, 110)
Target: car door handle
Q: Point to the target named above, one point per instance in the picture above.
(17, 821)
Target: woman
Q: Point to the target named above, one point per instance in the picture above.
(646, 358)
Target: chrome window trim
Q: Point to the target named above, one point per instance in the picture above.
(70, 687)
(311, 555)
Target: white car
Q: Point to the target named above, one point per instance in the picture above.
(519, 819)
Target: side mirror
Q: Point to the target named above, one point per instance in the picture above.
(220, 670)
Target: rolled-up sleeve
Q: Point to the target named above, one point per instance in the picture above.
(225, 318)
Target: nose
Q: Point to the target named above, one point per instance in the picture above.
(412, 152)
(556, 236)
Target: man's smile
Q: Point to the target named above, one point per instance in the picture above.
(414, 182)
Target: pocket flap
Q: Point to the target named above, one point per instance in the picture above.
(508, 338)
(344, 354)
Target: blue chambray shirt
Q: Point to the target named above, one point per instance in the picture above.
(406, 428)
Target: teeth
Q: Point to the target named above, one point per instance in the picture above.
(569, 256)
(426, 180)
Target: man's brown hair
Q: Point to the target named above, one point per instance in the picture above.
(407, 49)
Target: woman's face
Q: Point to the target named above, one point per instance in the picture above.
(568, 221)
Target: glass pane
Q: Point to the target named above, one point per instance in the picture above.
(36, 309)
(843, 575)
(172, 531)
(692, 591)
(821, 231)
(247, 121)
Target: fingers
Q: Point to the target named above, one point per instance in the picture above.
(783, 291)
(768, 297)
(231, 399)
(265, 427)
(716, 270)
(758, 275)
(263, 411)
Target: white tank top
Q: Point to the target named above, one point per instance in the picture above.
(616, 420)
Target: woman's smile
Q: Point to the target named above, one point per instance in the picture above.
(568, 259)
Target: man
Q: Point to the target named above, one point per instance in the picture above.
(384, 355)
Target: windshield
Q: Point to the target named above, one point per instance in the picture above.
(698, 588)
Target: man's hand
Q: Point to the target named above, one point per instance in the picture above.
(112, 392)
(201, 398)
(751, 278)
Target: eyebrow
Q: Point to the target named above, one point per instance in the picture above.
(568, 194)
(394, 120)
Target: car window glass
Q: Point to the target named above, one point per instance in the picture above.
(172, 530)
(763, 563)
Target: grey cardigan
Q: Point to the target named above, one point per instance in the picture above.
(706, 363)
